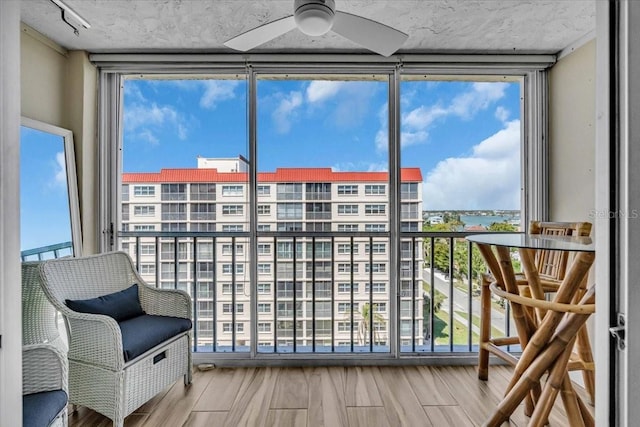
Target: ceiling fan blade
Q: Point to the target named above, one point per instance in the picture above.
(262, 34)
(370, 34)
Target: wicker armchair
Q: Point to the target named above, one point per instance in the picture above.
(44, 391)
(104, 373)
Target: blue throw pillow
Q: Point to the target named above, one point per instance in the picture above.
(121, 305)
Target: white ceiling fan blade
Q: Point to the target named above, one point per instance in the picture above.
(262, 34)
(370, 34)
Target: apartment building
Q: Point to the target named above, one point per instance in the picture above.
(325, 231)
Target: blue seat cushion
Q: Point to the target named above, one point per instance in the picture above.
(120, 305)
(142, 333)
(40, 409)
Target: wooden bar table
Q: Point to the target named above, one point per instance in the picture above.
(547, 329)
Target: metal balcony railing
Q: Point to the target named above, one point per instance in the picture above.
(47, 252)
(429, 302)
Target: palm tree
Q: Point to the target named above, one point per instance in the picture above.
(364, 320)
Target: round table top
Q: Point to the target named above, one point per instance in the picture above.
(535, 241)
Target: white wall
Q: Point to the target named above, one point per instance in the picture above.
(10, 289)
(572, 136)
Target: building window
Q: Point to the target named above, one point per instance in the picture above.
(174, 211)
(264, 268)
(228, 268)
(232, 190)
(264, 210)
(203, 211)
(264, 288)
(264, 249)
(205, 191)
(345, 267)
(347, 190)
(375, 209)
(378, 288)
(375, 227)
(264, 307)
(174, 192)
(228, 308)
(232, 228)
(409, 191)
(346, 248)
(289, 226)
(347, 227)
(347, 209)
(322, 250)
(289, 211)
(174, 226)
(147, 269)
(144, 190)
(144, 210)
(227, 249)
(377, 267)
(346, 307)
(228, 287)
(379, 307)
(289, 191)
(144, 227)
(264, 227)
(377, 248)
(264, 190)
(232, 210)
(264, 327)
(345, 288)
(374, 189)
(147, 249)
(344, 326)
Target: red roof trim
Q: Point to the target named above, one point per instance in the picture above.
(280, 175)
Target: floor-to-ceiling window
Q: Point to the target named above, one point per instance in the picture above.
(300, 206)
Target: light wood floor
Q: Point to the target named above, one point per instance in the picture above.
(332, 397)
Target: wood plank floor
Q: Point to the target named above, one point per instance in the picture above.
(327, 396)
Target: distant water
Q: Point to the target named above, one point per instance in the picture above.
(486, 220)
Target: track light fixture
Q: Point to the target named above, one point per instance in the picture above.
(64, 10)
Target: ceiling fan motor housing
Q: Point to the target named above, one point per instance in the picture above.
(314, 17)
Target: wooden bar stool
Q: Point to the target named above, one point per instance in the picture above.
(551, 268)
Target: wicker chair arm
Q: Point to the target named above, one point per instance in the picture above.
(44, 368)
(94, 339)
(165, 302)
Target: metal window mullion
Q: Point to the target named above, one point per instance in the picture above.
(253, 208)
(351, 277)
(275, 294)
(470, 292)
(333, 295)
(451, 326)
(394, 209)
(215, 294)
(295, 299)
(176, 262)
(233, 293)
(413, 294)
(313, 294)
(370, 294)
(432, 292)
(195, 293)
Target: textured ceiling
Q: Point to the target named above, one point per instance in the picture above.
(434, 26)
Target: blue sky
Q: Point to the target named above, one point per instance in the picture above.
(44, 208)
(464, 135)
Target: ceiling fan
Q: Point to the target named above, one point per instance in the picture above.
(317, 17)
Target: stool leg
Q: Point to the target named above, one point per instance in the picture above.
(583, 348)
(485, 328)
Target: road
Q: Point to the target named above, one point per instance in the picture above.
(460, 301)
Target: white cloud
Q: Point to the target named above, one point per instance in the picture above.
(487, 179)
(60, 177)
(479, 98)
(216, 91)
(146, 121)
(502, 114)
(320, 90)
(285, 111)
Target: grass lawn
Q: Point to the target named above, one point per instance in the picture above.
(441, 330)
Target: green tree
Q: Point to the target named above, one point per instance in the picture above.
(502, 226)
(363, 318)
